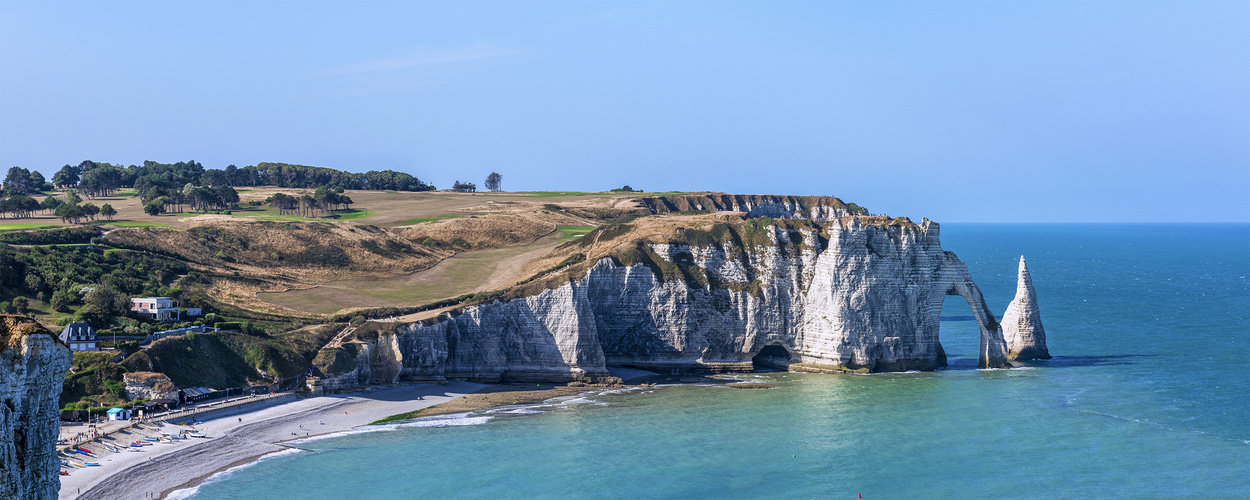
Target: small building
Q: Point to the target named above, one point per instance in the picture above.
(197, 394)
(194, 311)
(158, 308)
(80, 337)
(118, 414)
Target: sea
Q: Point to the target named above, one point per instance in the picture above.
(1148, 396)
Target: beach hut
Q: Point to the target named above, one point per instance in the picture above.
(118, 414)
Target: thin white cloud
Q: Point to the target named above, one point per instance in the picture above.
(423, 58)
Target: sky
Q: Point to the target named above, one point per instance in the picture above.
(1051, 111)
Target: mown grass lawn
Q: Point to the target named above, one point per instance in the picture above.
(570, 232)
(19, 227)
(427, 219)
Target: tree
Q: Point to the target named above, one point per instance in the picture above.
(100, 181)
(70, 213)
(283, 202)
(21, 304)
(21, 206)
(108, 211)
(61, 300)
(153, 208)
(72, 197)
(492, 181)
(90, 210)
(105, 302)
(50, 203)
(464, 187)
(214, 178)
(37, 181)
(17, 181)
(66, 176)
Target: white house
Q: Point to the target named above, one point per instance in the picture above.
(160, 308)
(194, 311)
(80, 337)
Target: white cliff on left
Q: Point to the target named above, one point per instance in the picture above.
(33, 363)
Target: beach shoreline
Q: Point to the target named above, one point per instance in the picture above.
(239, 438)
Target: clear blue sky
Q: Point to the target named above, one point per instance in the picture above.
(958, 111)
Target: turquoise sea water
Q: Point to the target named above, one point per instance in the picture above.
(1148, 396)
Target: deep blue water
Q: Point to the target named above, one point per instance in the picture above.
(1148, 396)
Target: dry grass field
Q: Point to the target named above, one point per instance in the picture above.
(465, 272)
(392, 249)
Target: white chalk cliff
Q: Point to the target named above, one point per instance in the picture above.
(33, 363)
(1022, 323)
(839, 297)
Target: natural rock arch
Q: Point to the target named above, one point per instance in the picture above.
(955, 280)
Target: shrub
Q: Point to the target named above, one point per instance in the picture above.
(62, 236)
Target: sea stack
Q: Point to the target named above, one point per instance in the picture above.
(1022, 323)
(33, 363)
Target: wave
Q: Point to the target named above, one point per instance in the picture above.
(450, 420)
(186, 493)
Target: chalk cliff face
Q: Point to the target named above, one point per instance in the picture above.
(853, 297)
(1022, 323)
(32, 369)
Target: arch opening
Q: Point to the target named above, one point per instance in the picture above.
(772, 357)
(959, 333)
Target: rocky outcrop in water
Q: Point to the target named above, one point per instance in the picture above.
(839, 297)
(32, 369)
(1022, 323)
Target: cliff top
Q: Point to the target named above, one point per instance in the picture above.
(13, 327)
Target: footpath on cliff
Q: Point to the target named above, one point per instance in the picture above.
(239, 438)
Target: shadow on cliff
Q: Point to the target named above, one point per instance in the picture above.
(962, 363)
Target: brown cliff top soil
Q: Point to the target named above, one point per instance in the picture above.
(145, 377)
(13, 326)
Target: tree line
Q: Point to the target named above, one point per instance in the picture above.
(308, 205)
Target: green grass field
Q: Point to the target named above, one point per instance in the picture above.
(570, 232)
(427, 219)
(19, 227)
(554, 194)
